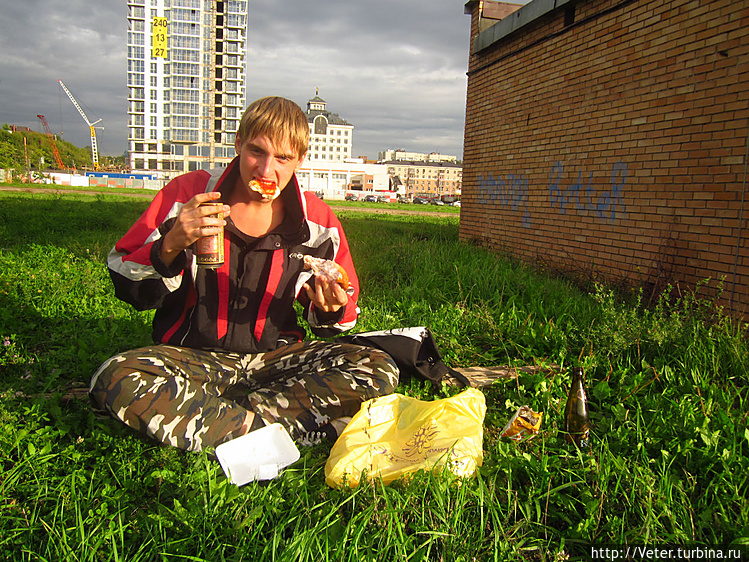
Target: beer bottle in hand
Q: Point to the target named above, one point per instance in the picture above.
(576, 419)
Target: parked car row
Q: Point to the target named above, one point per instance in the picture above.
(371, 198)
(434, 201)
(377, 199)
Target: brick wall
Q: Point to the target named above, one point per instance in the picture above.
(609, 138)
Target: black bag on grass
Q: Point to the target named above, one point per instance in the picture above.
(413, 350)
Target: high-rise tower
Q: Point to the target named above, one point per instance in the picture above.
(186, 82)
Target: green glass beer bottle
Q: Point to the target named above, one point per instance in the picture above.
(576, 418)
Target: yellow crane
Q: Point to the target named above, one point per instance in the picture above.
(94, 149)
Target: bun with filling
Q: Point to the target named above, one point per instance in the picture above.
(328, 270)
(267, 189)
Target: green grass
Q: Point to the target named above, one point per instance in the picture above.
(669, 461)
(52, 188)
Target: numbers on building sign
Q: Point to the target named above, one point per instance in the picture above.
(160, 27)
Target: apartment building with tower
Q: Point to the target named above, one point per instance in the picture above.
(331, 137)
(186, 83)
(329, 168)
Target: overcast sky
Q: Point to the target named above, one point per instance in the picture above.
(395, 69)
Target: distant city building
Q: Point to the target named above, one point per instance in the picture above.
(331, 137)
(426, 179)
(186, 82)
(335, 179)
(393, 155)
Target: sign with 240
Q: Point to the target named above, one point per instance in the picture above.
(159, 38)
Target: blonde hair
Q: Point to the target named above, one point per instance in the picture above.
(277, 118)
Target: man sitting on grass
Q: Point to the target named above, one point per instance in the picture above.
(229, 354)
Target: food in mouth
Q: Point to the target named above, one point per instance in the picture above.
(267, 189)
(328, 270)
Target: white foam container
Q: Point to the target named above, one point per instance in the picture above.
(258, 455)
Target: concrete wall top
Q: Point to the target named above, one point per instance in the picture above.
(515, 21)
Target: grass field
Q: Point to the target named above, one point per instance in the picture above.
(338, 204)
(668, 464)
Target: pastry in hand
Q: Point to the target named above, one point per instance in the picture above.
(328, 270)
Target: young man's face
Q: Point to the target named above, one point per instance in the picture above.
(260, 159)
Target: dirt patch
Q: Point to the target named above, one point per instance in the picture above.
(394, 211)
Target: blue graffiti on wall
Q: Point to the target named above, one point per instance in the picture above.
(511, 191)
(607, 206)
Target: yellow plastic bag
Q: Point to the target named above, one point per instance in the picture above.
(394, 435)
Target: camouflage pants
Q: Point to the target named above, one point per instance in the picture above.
(193, 399)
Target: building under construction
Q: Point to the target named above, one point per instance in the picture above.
(186, 83)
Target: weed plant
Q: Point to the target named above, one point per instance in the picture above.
(669, 455)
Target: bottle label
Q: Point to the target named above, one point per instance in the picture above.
(207, 247)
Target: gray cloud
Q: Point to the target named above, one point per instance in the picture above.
(394, 69)
(43, 41)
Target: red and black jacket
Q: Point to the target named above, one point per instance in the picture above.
(247, 304)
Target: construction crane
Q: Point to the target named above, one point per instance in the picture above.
(94, 149)
(56, 152)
